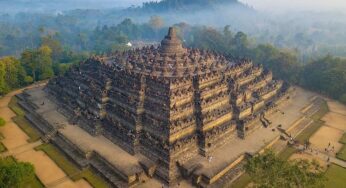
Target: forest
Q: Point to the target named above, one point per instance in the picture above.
(39, 45)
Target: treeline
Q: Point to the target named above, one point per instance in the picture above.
(36, 64)
(16, 38)
(52, 57)
(326, 75)
(283, 63)
(116, 37)
(167, 5)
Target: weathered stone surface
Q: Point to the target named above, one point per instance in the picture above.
(169, 103)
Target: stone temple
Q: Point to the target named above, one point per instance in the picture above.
(171, 105)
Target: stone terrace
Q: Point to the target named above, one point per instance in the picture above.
(210, 170)
(260, 138)
(126, 165)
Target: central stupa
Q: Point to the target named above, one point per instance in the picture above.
(171, 45)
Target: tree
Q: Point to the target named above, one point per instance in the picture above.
(268, 170)
(12, 74)
(54, 45)
(343, 98)
(38, 63)
(3, 85)
(45, 63)
(28, 59)
(284, 64)
(15, 174)
(327, 76)
(241, 44)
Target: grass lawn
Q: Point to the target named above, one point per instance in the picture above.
(33, 183)
(2, 122)
(241, 182)
(13, 105)
(342, 153)
(70, 168)
(309, 131)
(24, 124)
(321, 112)
(2, 147)
(336, 177)
(287, 153)
(313, 128)
(343, 139)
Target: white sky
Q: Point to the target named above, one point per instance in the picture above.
(297, 5)
(264, 5)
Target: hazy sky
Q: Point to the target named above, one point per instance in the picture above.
(297, 5)
(264, 5)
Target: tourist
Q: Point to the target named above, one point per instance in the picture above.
(210, 158)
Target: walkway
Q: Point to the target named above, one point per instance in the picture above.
(322, 155)
(16, 142)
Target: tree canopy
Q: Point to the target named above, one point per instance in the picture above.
(12, 74)
(15, 174)
(327, 75)
(38, 62)
(268, 170)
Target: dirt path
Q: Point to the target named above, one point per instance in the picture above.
(16, 142)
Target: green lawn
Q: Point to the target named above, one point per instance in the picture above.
(313, 128)
(342, 153)
(2, 147)
(321, 112)
(287, 152)
(70, 168)
(309, 131)
(241, 182)
(336, 177)
(33, 183)
(2, 122)
(24, 124)
(343, 139)
(13, 105)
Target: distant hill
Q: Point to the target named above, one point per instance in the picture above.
(190, 5)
